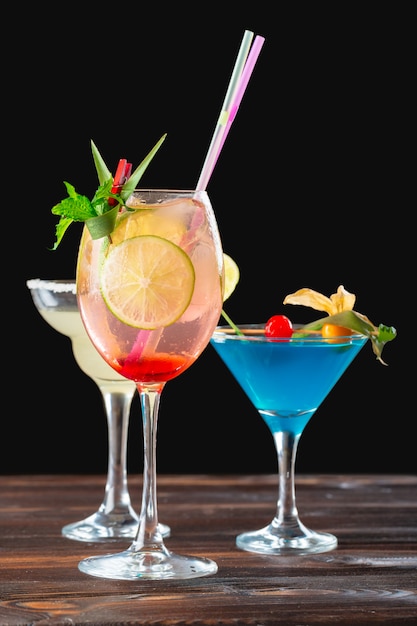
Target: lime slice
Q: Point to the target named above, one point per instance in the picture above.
(231, 275)
(147, 282)
(148, 222)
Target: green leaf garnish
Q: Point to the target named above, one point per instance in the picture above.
(98, 214)
(131, 184)
(102, 225)
(358, 323)
(103, 171)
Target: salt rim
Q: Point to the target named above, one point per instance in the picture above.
(49, 285)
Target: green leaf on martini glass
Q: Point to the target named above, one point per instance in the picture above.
(358, 323)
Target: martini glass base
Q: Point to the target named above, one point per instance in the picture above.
(269, 541)
(101, 527)
(147, 565)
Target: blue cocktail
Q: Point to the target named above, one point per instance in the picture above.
(286, 379)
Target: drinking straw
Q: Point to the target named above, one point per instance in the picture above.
(124, 169)
(228, 99)
(240, 77)
(243, 83)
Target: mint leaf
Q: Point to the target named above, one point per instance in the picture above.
(76, 207)
(60, 230)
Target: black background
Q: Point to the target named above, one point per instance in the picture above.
(314, 188)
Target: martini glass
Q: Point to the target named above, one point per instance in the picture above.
(115, 518)
(150, 296)
(286, 380)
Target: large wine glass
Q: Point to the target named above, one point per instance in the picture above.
(286, 380)
(115, 518)
(150, 296)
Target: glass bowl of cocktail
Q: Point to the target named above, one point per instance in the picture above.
(150, 292)
(150, 303)
(287, 371)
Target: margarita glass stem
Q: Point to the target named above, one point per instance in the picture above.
(286, 519)
(116, 496)
(115, 518)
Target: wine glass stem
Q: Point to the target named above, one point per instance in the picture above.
(117, 406)
(148, 535)
(286, 445)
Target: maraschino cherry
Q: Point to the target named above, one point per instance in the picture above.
(278, 326)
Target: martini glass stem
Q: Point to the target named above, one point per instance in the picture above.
(287, 519)
(286, 534)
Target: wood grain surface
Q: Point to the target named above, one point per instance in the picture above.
(371, 578)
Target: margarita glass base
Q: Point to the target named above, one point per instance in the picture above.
(147, 565)
(271, 540)
(107, 528)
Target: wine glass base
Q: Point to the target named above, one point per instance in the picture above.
(101, 527)
(147, 565)
(270, 540)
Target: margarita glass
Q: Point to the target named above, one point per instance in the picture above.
(150, 294)
(115, 518)
(286, 379)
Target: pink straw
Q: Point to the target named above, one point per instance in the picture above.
(243, 83)
(228, 113)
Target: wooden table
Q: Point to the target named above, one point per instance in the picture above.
(371, 578)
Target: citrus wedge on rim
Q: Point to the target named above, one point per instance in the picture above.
(231, 275)
(147, 281)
